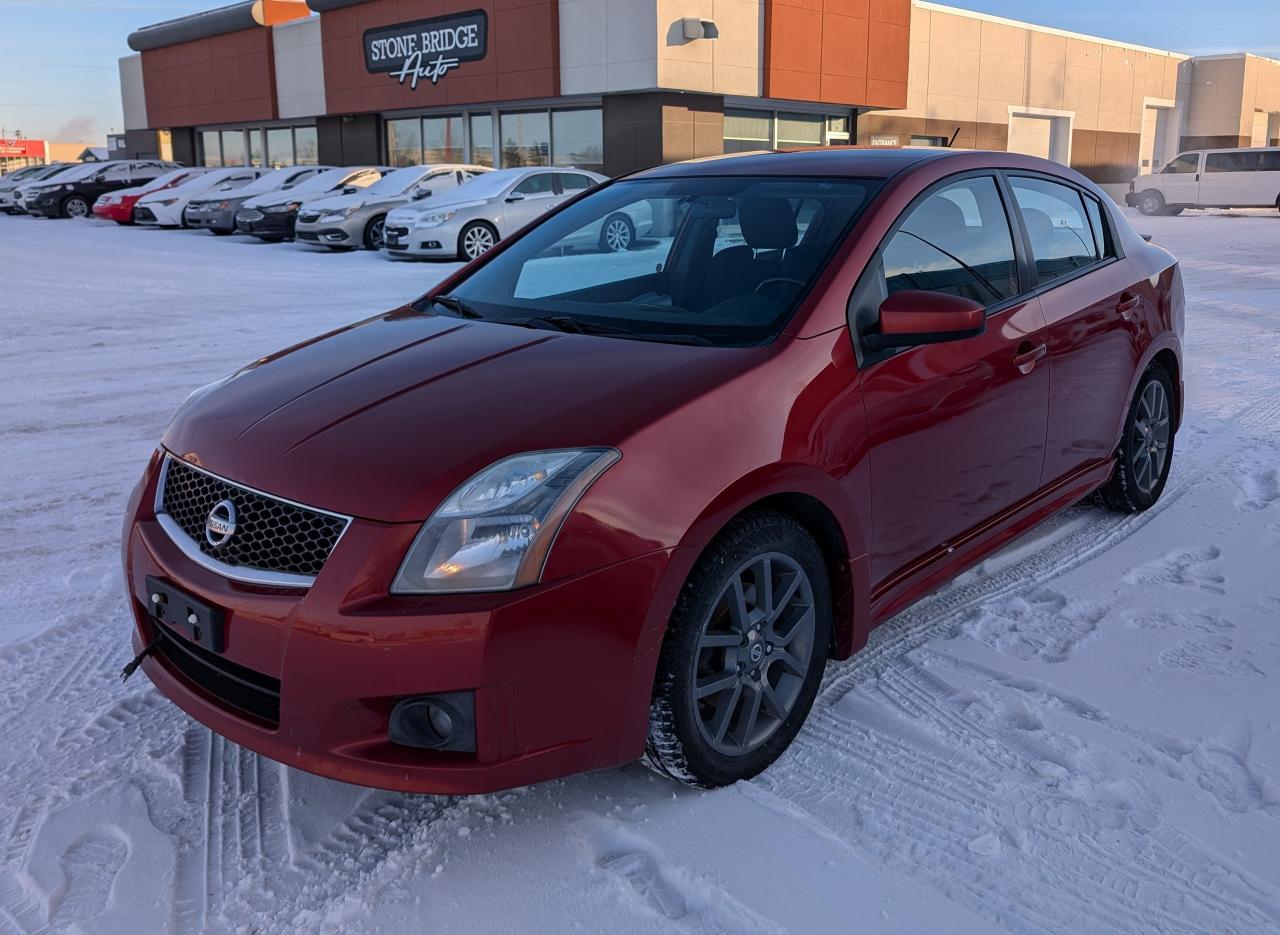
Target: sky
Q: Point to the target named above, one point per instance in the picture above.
(58, 77)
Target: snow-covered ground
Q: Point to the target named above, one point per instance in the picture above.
(1081, 735)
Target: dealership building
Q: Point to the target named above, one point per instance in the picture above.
(617, 85)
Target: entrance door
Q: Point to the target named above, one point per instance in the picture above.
(1030, 135)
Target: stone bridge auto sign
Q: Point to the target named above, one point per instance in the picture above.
(426, 48)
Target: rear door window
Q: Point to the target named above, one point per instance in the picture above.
(1062, 237)
(540, 183)
(956, 241)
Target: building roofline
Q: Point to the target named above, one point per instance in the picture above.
(201, 25)
(971, 14)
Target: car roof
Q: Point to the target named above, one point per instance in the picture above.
(852, 161)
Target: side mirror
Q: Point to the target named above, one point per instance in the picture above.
(915, 317)
(516, 196)
(421, 193)
(350, 190)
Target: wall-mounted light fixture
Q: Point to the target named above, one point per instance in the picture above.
(695, 28)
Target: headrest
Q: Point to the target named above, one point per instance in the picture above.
(1039, 224)
(767, 223)
(939, 220)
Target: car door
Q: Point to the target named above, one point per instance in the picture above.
(1092, 308)
(529, 198)
(957, 429)
(1180, 179)
(569, 184)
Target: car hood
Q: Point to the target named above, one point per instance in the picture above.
(417, 209)
(383, 419)
(285, 197)
(338, 202)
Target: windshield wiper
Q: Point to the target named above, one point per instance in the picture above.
(567, 324)
(457, 306)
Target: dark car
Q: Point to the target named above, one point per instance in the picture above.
(573, 508)
(71, 194)
(217, 212)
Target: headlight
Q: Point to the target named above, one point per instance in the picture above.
(166, 201)
(282, 209)
(435, 220)
(339, 214)
(494, 532)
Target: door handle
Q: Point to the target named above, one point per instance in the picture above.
(1028, 354)
(1128, 304)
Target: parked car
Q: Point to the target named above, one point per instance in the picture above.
(168, 208)
(357, 219)
(11, 181)
(272, 216)
(218, 212)
(568, 510)
(16, 201)
(71, 194)
(118, 206)
(1210, 178)
(483, 211)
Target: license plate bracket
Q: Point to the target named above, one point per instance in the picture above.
(191, 617)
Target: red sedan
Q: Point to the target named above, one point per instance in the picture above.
(573, 508)
(118, 205)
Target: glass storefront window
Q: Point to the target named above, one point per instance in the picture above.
(442, 140)
(404, 142)
(798, 130)
(255, 147)
(578, 137)
(280, 146)
(212, 147)
(305, 149)
(233, 147)
(482, 140)
(526, 139)
(745, 130)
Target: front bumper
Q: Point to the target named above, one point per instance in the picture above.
(1131, 199)
(157, 215)
(49, 206)
(211, 217)
(345, 233)
(406, 240)
(268, 225)
(558, 681)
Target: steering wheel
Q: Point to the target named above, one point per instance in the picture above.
(773, 280)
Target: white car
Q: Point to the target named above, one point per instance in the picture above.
(357, 219)
(1247, 177)
(475, 216)
(165, 208)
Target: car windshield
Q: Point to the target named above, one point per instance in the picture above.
(79, 171)
(177, 174)
(717, 261)
(397, 182)
(486, 185)
(322, 182)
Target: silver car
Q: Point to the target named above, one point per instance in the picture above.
(217, 212)
(357, 219)
(472, 218)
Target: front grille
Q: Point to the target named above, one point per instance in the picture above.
(395, 232)
(309, 218)
(246, 691)
(308, 235)
(143, 214)
(249, 215)
(271, 535)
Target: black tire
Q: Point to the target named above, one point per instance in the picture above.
(617, 233)
(1130, 489)
(677, 745)
(373, 236)
(75, 206)
(219, 232)
(1173, 212)
(1151, 202)
(471, 239)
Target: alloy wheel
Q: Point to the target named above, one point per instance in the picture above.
(753, 654)
(476, 241)
(617, 235)
(77, 208)
(377, 233)
(1150, 204)
(1151, 436)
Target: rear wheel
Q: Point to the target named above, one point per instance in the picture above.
(743, 655)
(1151, 202)
(476, 238)
(375, 232)
(617, 233)
(1146, 448)
(75, 206)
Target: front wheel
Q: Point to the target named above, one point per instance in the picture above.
(1146, 447)
(75, 207)
(1151, 203)
(743, 655)
(476, 238)
(375, 232)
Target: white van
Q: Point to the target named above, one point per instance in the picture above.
(1210, 178)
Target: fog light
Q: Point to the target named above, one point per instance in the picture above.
(430, 245)
(435, 722)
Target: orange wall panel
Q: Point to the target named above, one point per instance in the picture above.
(850, 52)
(222, 79)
